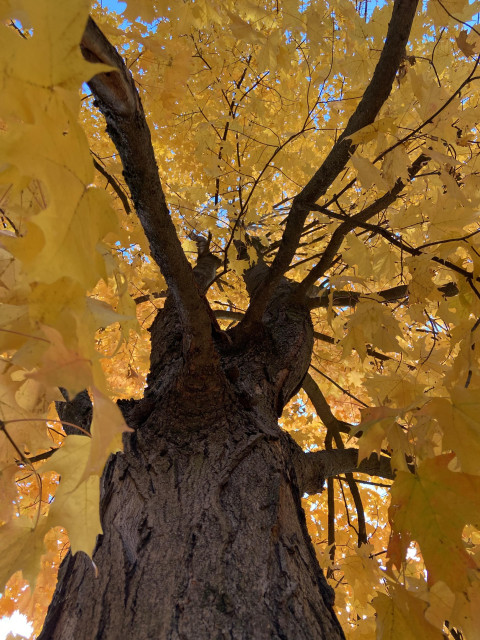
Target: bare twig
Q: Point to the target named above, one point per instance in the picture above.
(114, 184)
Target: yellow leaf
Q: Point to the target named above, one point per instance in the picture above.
(363, 574)
(21, 547)
(395, 166)
(244, 31)
(460, 422)
(441, 600)
(432, 507)
(359, 255)
(402, 617)
(371, 131)
(76, 503)
(466, 611)
(465, 47)
(368, 174)
(8, 490)
(61, 366)
(143, 9)
(378, 425)
(103, 315)
(376, 324)
(189, 246)
(26, 432)
(107, 427)
(49, 59)
(421, 285)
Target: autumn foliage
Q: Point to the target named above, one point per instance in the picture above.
(244, 100)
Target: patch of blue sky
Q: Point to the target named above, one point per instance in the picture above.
(117, 6)
(113, 5)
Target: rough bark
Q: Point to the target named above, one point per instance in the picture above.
(204, 538)
(204, 533)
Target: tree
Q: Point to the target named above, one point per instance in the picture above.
(308, 253)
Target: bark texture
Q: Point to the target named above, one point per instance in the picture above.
(204, 533)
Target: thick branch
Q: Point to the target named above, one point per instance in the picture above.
(372, 101)
(313, 468)
(374, 97)
(204, 271)
(351, 298)
(224, 314)
(207, 264)
(150, 296)
(118, 100)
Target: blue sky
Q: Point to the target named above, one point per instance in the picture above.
(113, 5)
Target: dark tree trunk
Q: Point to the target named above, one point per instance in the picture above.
(204, 533)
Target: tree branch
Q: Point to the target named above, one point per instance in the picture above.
(322, 407)
(313, 468)
(333, 433)
(114, 184)
(398, 242)
(149, 296)
(374, 97)
(118, 100)
(331, 340)
(345, 227)
(350, 298)
(204, 270)
(224, 314)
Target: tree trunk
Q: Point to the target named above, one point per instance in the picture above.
(204, 533)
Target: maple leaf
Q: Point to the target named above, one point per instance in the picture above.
(401, 617)
(466, 609)
(379, 425)
(465, 47)
(368, 174)
(362, 572)
(459, 420)
(76, 500)
(371, 131)
(61, 366)
(107, 427)
(22, 544)
(432, 507)
(371, 324)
